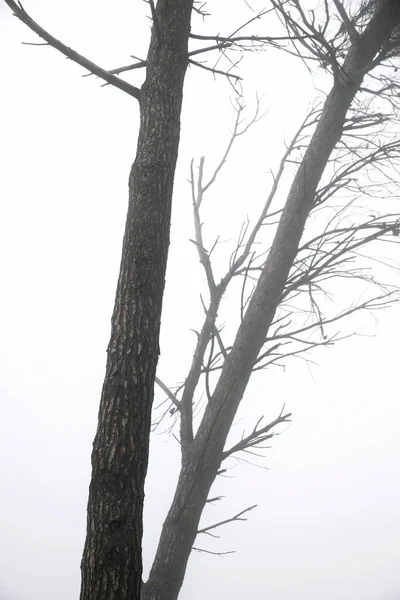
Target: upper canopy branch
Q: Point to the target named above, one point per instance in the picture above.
(347, 22)
(21, 13)
(329, 44)
(244, 38)
(240, 40)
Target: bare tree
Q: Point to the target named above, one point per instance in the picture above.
(336, 149)
(112, 563)
(333, 152)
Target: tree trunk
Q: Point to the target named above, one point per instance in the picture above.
(112, 562)
(199, 471)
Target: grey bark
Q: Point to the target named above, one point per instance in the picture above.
(205, 453)
(112, 562)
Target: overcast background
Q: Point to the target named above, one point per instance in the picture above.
(327, 526)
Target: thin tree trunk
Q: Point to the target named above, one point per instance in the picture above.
(112, 562)
(200, 469)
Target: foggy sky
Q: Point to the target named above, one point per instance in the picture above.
(327, 525)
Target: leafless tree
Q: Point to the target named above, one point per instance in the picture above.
(112, 563)
(343, 152)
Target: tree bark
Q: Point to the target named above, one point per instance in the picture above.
(112, 562)
(200, 469)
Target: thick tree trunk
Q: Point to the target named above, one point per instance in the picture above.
(199, 471)
(112, 563)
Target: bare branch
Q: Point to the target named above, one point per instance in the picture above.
(209, 328)
(255, 40)
(215, 71)
(219, 47)
(111, 79)
(213, 553)
(310, 120)
(238, 517)
(258, 435)
(243, 38)
(141, 64)
(215, 499)
(349, 25)
(201, 9)
(170, 395)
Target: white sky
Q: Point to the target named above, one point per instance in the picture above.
(327, 524)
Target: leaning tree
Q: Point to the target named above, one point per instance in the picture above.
(344, 153)
(349, 152)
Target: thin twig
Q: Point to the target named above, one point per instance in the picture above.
(215, 71)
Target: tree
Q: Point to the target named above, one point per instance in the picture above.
(111, 565)
(292, 268)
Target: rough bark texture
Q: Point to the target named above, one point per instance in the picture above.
(112, 563)
(200, 469)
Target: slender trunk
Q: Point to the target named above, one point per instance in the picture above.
(199, 472)
(112, 562)
(178, 534)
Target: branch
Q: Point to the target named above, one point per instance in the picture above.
(243, 38)
(201, 10)
(214, 553)
(303, 29)
(257, 436)
(137, 65)
(170, 395)
(310, 120)
(21, 14)
(235, 39)
(377, 302)
(342, 252)
(220, 47)
(215, 71)
(216, 291)
(215, 499)
(349, 25)
(237, 517)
